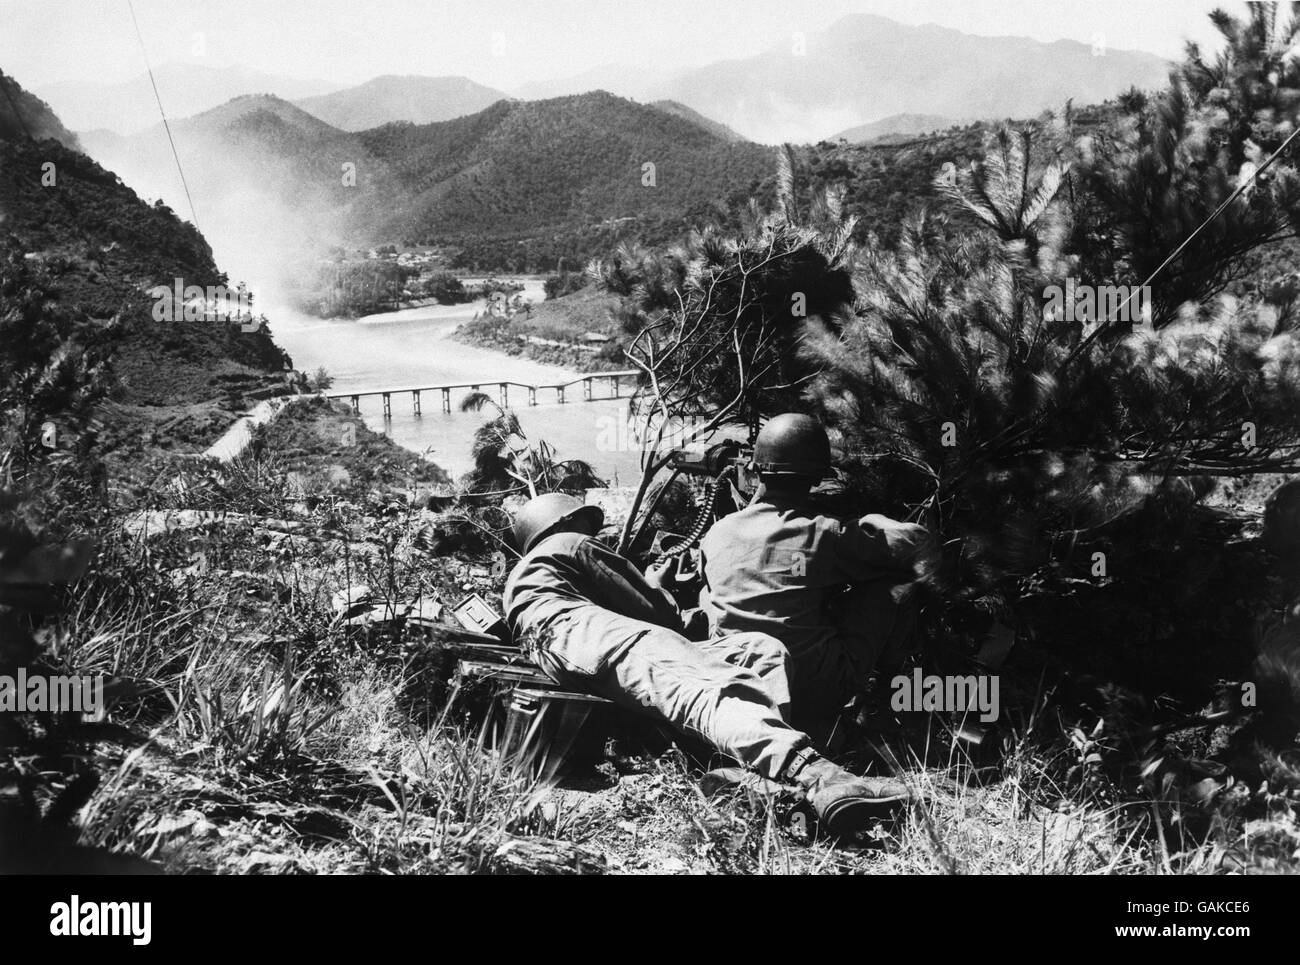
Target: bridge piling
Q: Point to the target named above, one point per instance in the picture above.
(446, 401)
(415, 402)
(532, 395)
(388, 405)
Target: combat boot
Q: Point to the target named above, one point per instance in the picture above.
(845, 803)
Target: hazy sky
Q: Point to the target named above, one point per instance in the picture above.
(510, 43)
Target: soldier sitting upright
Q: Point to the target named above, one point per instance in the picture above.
(836, 594)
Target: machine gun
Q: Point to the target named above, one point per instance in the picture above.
(728, 481)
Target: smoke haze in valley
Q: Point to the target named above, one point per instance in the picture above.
(264, 170)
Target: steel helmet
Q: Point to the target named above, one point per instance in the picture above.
(541, 514)
(792, 444)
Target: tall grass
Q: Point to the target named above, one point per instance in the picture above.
(279, 736)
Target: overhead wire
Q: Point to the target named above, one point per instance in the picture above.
(1241, 188)
(1018, 429)
(166, 126)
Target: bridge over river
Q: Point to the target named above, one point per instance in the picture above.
(612, 381)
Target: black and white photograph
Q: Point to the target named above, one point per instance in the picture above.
(577, 437)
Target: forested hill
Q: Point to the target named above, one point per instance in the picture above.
(23, 113)
(547, 169)
(516, 186)
(96, 248)
(887, 180)
(895, 129)
(678, 109)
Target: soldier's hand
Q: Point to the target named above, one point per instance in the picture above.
(661, 573)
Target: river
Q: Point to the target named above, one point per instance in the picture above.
(413, 347)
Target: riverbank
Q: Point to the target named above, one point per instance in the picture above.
(427, 346)
(502, 335)
(576, 331)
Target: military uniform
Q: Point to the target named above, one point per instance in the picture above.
(594, 623)
(836, 594)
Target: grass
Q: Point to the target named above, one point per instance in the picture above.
(570, 317)
(254, 729)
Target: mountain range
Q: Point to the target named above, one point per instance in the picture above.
(266, 178)
(420, 100)
(864, 68)
(514, 184)
(858, 71)
(185, 87)
(559, 178)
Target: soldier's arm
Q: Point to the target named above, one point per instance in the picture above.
(875, 545)
(667, 574)
(618, 585)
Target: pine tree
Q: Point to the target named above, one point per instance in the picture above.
(1148, 182)
(714, 324)
(53, 370)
